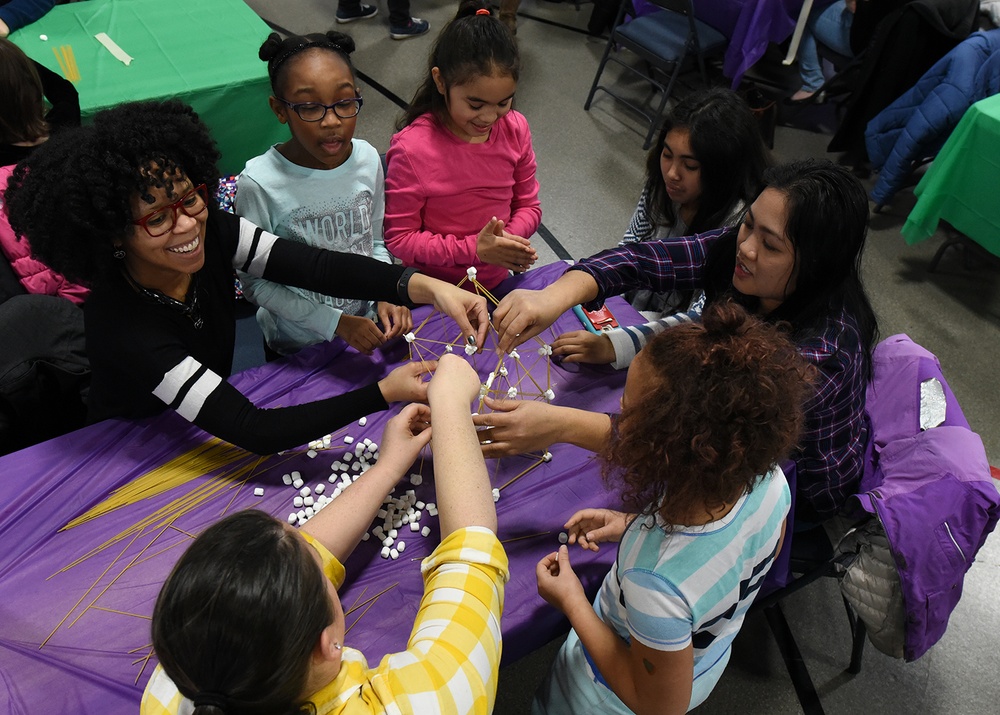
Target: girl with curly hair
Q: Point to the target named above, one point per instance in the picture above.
(122, 205)
(707, 412)
(794, 259)
(322, 187)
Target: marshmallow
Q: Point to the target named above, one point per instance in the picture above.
(393, 533)
(503, 370)
(470, 349)
(292, 518)
(320, 488)
(258, 492)
(414, 526)
(496, 495)
(448, 349)
(305, 491)
(385, 552)
(409, 337)
(471, 273)
(416, 480)
(297, 484)
(387, 541)
(308, 501)
(515, 354)
(563, 537)
(348, 439)
(312, 454)
(43, 38)
(512, 393)
(550, 395)
(363, 421)
(348, 456)
(287, 479)
(419, 505)
(425, 531)
(547, 456)
(393, 554)
(297, 502)
(310, 511)
(400, 546)
(365, 536)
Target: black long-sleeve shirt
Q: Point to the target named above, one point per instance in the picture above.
(146, 355)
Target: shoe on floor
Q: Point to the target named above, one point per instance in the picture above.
(362, 13)
(415, 27)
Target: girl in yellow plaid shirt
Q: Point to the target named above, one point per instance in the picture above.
(249, 620)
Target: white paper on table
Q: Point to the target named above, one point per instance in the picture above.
(933, 405)
(113, 48)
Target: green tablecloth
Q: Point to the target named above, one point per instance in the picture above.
(203, 52)
(962, 186)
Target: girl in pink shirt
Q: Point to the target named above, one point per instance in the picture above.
(460, 190)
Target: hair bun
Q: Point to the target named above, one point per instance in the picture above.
(344, 42)
(468, 8)
(270, 47)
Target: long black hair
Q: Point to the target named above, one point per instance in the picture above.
(239, 617)
(72, 197)
(473, 44)
(827, 225)
(727, 144)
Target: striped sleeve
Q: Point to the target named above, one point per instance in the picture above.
(629, 340)
(186, 387)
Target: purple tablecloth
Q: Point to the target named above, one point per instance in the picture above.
(98, 663)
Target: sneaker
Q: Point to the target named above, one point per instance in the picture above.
(362, 13)
(414, 27)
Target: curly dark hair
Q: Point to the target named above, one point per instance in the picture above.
(71, 197)
(725, 404)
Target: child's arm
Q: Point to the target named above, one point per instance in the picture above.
(518, 426)
(340, 525)
(648, 681)
(525, 208)
(464, 496)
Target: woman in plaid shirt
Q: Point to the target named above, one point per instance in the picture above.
(795, 259)
(249, 620)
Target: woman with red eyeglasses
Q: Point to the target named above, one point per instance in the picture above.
(123, 207)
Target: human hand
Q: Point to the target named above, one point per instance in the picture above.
(403, 438)
(395, 319)
(454, 376)
(851, 5)
(558, 584)
(360, 333)
(521, 315)
(4, 29)
(465, 308)
(590, 527)
(517, 426)
(499, 248)
(406, 383)
(584, 346)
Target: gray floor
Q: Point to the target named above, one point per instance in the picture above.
(590, 167)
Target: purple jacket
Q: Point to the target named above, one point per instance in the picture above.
(931, 489)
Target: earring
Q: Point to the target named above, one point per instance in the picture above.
(118, 253)
(337, 646)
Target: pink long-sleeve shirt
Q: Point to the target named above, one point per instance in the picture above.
(441, 191)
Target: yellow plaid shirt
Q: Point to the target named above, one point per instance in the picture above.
(451, 661)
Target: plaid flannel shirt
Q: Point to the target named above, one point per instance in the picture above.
(831, 449)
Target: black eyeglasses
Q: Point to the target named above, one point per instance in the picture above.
(162, 220)
(315, 112)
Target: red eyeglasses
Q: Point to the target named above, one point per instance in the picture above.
(193, 203)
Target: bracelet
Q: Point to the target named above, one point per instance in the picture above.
(403, 286)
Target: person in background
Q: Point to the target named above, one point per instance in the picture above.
(460, 190)
(830, 26)
(323, 188)
(401, 25)
(702, 173)
(15, 14)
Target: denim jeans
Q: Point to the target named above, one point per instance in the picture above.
(830, 26)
